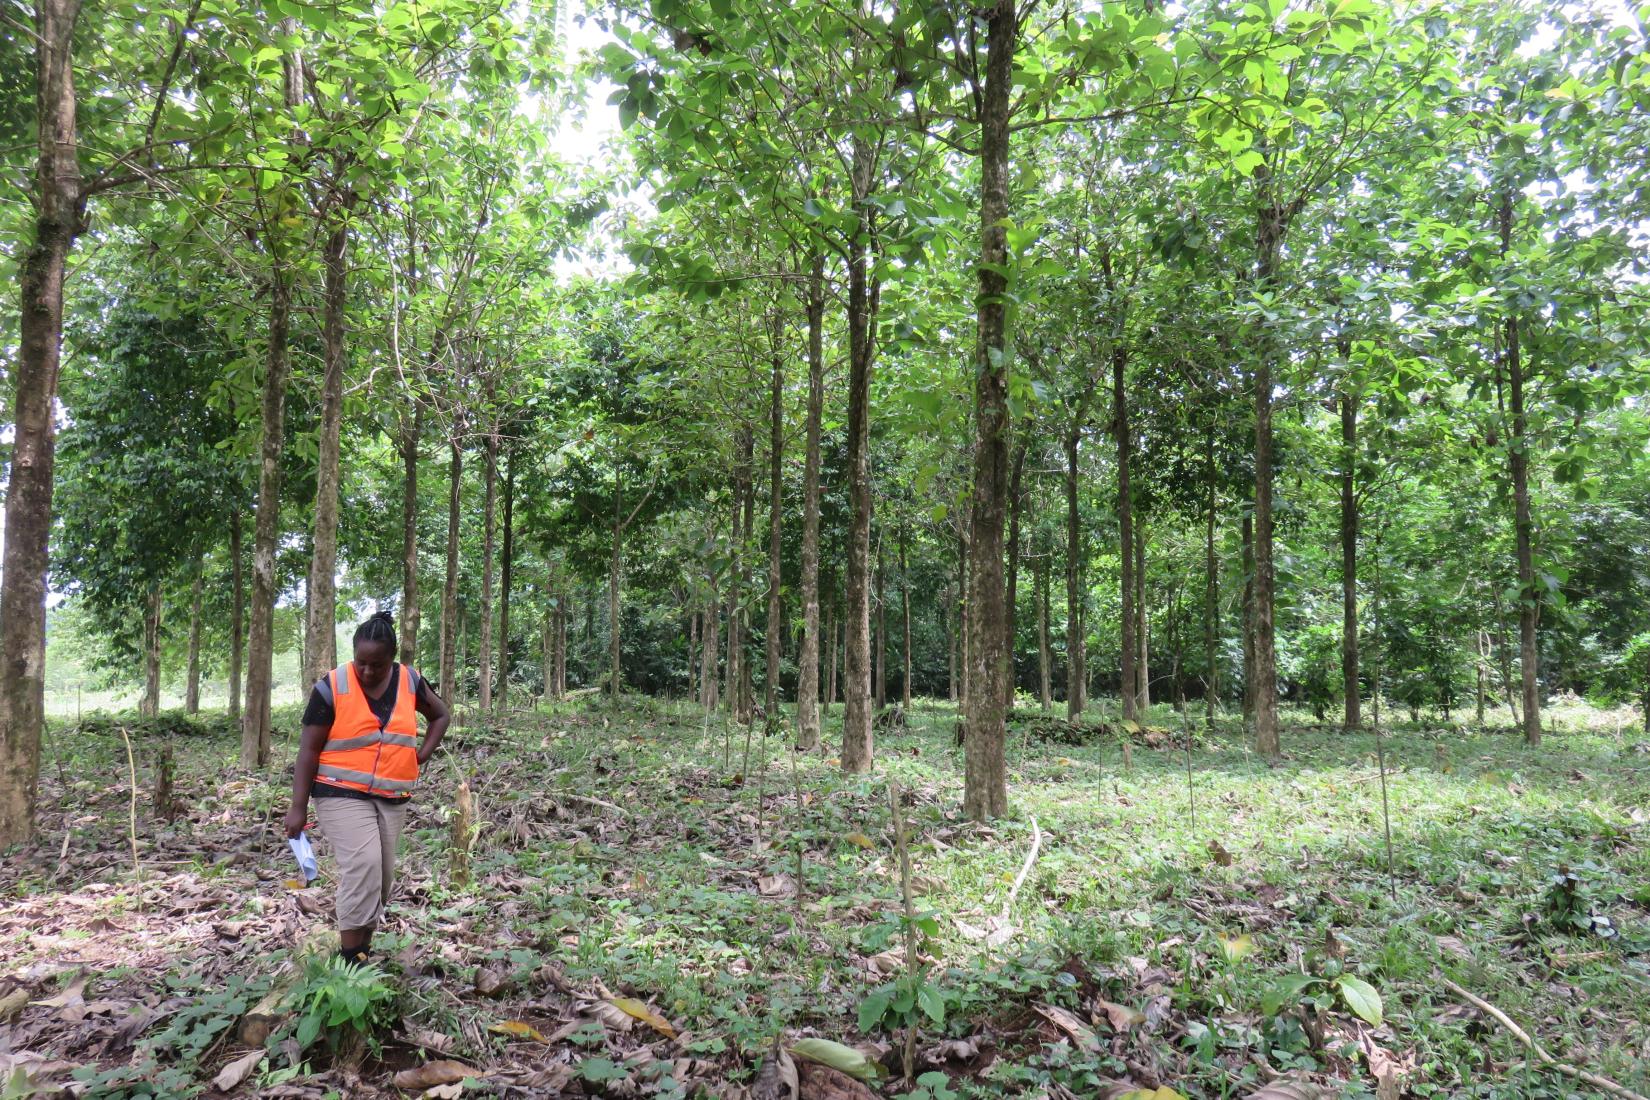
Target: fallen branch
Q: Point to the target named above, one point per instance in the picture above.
(1025, 868)
(620, 810)
(1602, 1083)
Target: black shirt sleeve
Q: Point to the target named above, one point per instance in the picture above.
(319, 711)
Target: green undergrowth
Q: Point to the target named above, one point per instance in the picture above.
(1240, 918)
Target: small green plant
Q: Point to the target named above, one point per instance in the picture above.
(1322, 991)
(344, 1003)
(932, 1085)
(1571, 902)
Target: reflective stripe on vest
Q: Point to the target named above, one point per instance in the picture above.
(363, 753)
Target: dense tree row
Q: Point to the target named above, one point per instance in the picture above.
(1246, 353)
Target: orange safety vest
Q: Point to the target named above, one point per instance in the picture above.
(361, 752)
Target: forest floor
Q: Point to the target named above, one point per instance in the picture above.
(653, 913)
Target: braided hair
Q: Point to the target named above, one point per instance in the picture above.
(379, 628)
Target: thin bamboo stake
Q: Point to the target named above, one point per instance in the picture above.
(1380, 742)
(131, 771)
(912, 962)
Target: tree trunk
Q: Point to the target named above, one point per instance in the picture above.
(1523, 525)
(985, 780)
(807, 689)
(547, 641)
(237, 614)
(1143, 622)
(489, 512)
(736, 576)
(1128, 675)
(1045, 659)
(1349, 557)
(561, 644)
(449, 587)
(905, 621)
(882, 630)
(58, 221)
(1012, 580)
(255, 728)
(856, 716)
(950, 612)
(1247, 536)
(1272, 222)
(150, 704)
(1211, 593)
(192, 675)
(709, 659)
(321, 617)
(1076, 635)
(834, 643)
(776, 487)
(506, 564)
(747, 671)
(615, 570)
(413, 427)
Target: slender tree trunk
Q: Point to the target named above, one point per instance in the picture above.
(255, 728)
(321, 618)
(1142, 666)
(747, 670)
(985, 779)
(1272, 223)
(1480, 643)
(1045, 659)
(882, 630)
(1523, 526)
(1349, 556)
(776, 487)
(905, 620)
(150, 704)
(192, 675)
(506, 565)
(710, 659)
(1012, 580)
(237, 614)
(1247, 535)
(1076, 635)
(833, 641)
(1211, 593)
(561, 644)
(547, 641)
(736, 646)
(950, 649)
(449, 587)
(489, 523)
(964, 561)
(615, 577)
(413, 428)
(1128, 677)
(58, 210)
(807, 689)
(856, 717)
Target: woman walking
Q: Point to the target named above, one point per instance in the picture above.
(359, 758)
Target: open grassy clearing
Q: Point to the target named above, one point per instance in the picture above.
(639, 857)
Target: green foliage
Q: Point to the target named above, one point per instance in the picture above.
(342, 1003)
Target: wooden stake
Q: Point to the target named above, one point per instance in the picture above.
(912, 962)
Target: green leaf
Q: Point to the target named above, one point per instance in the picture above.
(932, 1003)
(841, 1058)
(1361, 998)
(873, 1008)
(1246, 162)
(1285, 990)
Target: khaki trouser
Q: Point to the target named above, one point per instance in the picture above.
(362, 833)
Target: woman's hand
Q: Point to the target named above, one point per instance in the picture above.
(295, 821)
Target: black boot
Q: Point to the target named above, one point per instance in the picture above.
(353, 956)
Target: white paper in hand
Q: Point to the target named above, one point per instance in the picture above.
(305, 855)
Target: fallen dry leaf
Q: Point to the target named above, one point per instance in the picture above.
(776, 886)
(1289, 1088)
(817, 1082)
(491, 980)
(777, 1079)
(518, 1029)
(1080, 1033)
(638, 1010)
(442, 1072)
(1121, 1017)
(231, 1075)
(12, 1003)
